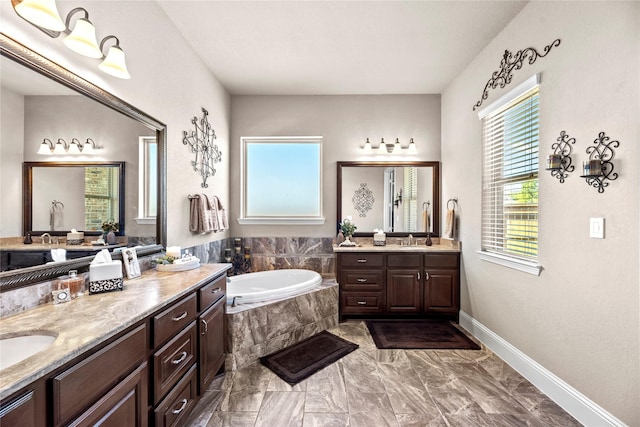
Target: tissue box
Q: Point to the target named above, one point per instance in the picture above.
(379, 239)
(75, 238)
(105, 277)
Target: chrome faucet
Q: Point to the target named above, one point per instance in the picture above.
(48, 236)
(410, 238)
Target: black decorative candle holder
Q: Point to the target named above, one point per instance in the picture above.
(598, 170)
(240, 258)
(560, 161)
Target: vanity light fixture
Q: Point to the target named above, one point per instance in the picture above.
(390, 148)
(114, 63)
(82, 39)
(61, 147)
(42, 13)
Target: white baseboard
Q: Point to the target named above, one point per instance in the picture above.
(568, 398)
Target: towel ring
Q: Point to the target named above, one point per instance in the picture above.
(453, 200)
(425, 205)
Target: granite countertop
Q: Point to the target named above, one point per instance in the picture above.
(91, 319)
(438, 246)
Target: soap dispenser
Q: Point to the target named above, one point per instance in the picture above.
(27, 239)
(428, 241)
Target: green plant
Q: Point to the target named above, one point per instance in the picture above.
(110, 225)
(347, 227)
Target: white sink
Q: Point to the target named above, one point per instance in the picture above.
(17, 348)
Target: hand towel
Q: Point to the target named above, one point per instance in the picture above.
(200, 215)
(219, 215)
(450, 225)
(57, 216)
(426, 221)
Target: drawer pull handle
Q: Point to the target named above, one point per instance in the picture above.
(362, 280)
(215, 290)
(362, 260)
(179, 318)
(205, 326)
(362, 303)
(182, 406)
(180, 359)
(426, 275)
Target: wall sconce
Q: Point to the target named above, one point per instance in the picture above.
(61, 147)
(390, 148)
(82, 39)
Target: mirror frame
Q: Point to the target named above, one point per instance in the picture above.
(436, 195)
(27, 195)
(23, 55)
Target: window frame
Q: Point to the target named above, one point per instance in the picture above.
(143, 180)
(527, 265)
(279, 220)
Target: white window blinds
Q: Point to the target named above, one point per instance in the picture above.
(410, 199)
(510, 178)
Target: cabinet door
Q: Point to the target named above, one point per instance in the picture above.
(27, 410)
(211, 329)
(441, 291)
(403, 291)
(124, 405)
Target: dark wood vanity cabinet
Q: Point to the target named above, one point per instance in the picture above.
(391, 284)
(152, 373)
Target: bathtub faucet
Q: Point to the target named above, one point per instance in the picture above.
(233, 301)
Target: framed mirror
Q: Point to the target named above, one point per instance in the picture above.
(34, 64)
(93, 193)
(400, 198)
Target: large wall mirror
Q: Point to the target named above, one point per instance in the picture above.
(400, 198)
(24, 74)
(93, 192)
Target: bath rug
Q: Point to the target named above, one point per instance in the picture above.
(299, 361)
(419, 335)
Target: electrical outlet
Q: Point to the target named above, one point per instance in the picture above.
(596, 228)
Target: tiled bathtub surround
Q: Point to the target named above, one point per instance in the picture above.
(256, 330)
(275, 253)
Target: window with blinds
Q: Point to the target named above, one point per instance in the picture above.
(510, 178)
(410, 198)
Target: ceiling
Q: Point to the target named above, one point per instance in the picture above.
(338, 47)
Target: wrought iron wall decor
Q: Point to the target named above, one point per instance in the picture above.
(508, 64)
(200, 140)
(559, 162)
(363, 199)
(599, 169)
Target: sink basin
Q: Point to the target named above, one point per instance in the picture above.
(14, 349)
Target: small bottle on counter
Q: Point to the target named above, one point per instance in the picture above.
(72, 282)
(428, 241)
(27, 239)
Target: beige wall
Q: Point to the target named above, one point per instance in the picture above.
(11, 153)
(169, 82)
(345, 122)
(580, 317)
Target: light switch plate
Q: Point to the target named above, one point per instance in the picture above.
(596, 228)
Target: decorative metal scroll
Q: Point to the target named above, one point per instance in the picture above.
(363, 200)
(563, 149)
(603, 152)
(509, 63)
(201, 142)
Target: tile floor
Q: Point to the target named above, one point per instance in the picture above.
(372, 388)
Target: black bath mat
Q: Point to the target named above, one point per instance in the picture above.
(299, 361)
(419, 334)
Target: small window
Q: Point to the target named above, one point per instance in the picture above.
(147, 180)
(510, 176)
(281, 180)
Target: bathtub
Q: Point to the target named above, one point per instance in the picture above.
(270, 285)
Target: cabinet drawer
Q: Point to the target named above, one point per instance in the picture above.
(173, 319)
(362, 260)
(173, 360)
(124, 405)
(78, 387)
(212, 292)
(362, 302)
(449, 260)
(361, 280)
(176, 406)
(404, 260)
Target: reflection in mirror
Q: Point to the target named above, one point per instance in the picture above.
(26, 64)
(91, 194)
(400, 197)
